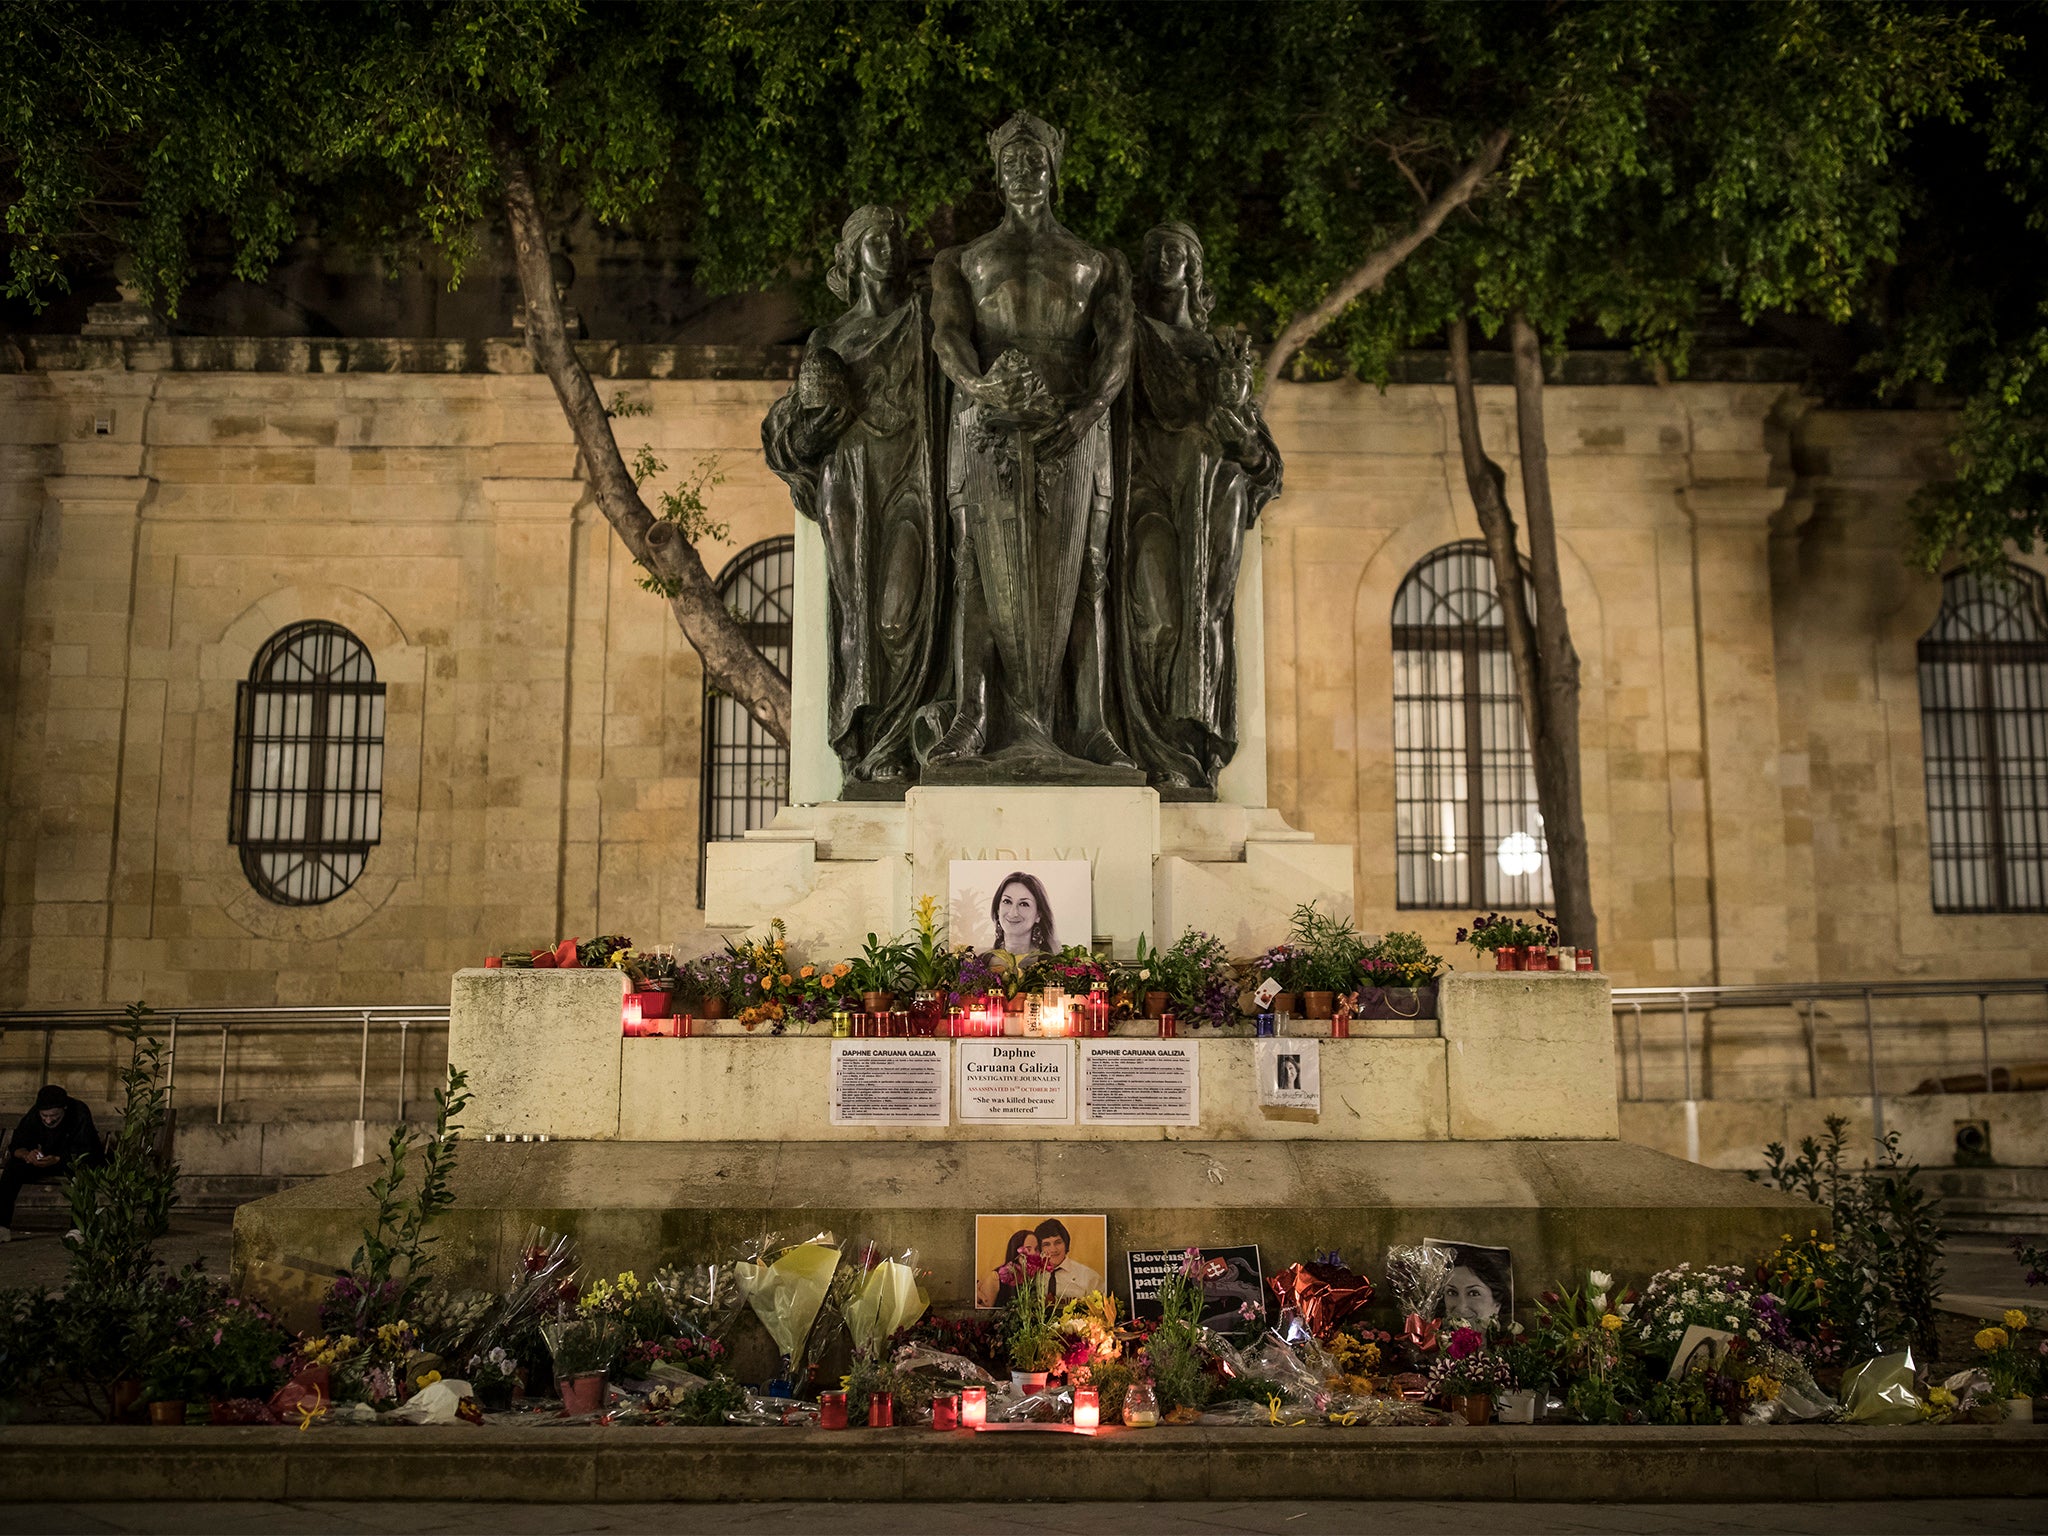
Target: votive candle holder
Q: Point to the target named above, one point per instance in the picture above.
(973, 1407)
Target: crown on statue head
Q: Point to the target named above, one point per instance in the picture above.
(1022, 125)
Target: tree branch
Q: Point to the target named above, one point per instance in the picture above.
(731, 661)
(1304, 327)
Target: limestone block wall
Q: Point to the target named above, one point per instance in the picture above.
(1745, 623)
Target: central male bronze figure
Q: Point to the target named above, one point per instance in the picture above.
(1033, 327)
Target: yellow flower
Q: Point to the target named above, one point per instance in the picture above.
(1611, 1322)
(2015, 1319)
(1941, 1397)
(1762, 1389)
(1827, 1247)
(1989, 1339)
(808, 972)
(423, 1382)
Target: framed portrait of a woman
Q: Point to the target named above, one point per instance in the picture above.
(1020, 906)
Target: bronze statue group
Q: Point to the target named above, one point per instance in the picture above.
(1033, 486)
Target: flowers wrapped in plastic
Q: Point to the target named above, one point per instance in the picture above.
(786, 1285)
(884, 1298)
(1418, 1275)
(702, 1301)
(1317, 1297)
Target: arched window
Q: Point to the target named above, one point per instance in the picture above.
(1466, 829)
(1984, 733)
(309, 765)
(746, 771)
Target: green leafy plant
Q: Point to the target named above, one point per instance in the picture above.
(1327, 950)
(684, 507)
(879, 967)
(932, 966)
(240, 1351)
(121, 1203)
(1689, 1400)
(1876, 1282)
(399, 1245)
(1031, 1334)
(1173, 1352)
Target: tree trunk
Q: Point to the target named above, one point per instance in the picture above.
(1559, 778)
(731, 660)
(1374, 270)
(1539, 645)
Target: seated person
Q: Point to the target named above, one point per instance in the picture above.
(51, 1141)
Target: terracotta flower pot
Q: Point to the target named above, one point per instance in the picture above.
(1155, 1004)
(1318, 1005)
(1475, 1409)
(167, 1412)
(583, 1394)
(711, 1008)
(1284, 1002)
(878, 1002)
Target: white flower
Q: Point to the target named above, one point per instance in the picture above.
(1734, 1321)
(1688, 1295)
(1598, 1302)
(1624, 1309)
(1600, 1281)
(1755, 1337)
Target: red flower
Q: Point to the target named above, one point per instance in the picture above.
(1466, 1342)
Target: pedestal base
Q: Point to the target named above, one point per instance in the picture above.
(1563, 1207)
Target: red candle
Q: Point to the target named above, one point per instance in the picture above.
(881, 1411)
(831, 1410)
(973, 1407)
(946, 1412)
(1166, 1026)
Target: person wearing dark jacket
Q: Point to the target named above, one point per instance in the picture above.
(51, 1141)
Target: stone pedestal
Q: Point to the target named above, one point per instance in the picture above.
(836, 872)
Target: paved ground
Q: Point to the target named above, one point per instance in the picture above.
(1264, 1519)
(38, 1257)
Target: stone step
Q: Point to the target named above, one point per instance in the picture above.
(565, 1464)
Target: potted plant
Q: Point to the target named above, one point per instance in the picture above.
(1031, 1333)
(1400, 976)
(654, 981)
(493, 1373)
(2012, 1368)
(583, 1345)
(1201, 983)
(933, 968)
(877, 972)
(704, 985)
(1147, 979)
(240, 1359)
(1173, 1353)
(1509, 939)
(167, 1383)
(1326, 955)
(1470, 1375)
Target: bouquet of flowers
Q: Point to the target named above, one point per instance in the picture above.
(2012, 1367)
(1418, 1275)
(883, 1298)
(1717, 1296)
(703, 1301)
(1399, 960)
(786, 1285)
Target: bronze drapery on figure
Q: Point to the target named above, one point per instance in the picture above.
(859, 441)
(1198, 467)
(1033, 327)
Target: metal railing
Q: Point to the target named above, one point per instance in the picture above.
(170, 1023)
(1703, 1005)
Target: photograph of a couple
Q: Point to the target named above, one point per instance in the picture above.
(1021, 907)
(1074, 1248)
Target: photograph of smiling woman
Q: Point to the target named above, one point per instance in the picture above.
(1021, 916)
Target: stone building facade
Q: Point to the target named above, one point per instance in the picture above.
(1755, 792)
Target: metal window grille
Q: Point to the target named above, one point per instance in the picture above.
(1467, 832)
(308, 793)
(746, 771)
(1984, 735)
